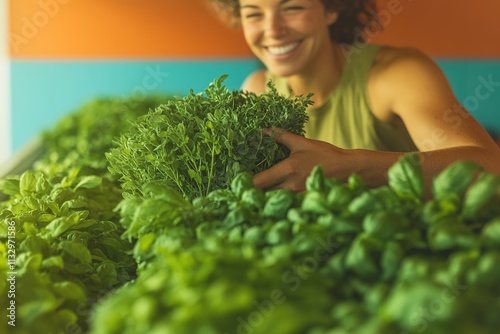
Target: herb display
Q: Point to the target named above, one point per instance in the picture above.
(221, 256)
(201, 142)
(240, 260)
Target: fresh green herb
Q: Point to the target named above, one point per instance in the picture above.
(380, 255)
(201, 142)
(81, 138)
(406, 177)
(68, 247)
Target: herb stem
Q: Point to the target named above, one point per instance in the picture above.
(210, 174)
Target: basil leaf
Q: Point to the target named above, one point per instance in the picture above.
(70, 290)
(77, 251)
(27, 183)
(482, 197)
(90, 181)
(454, 179)
(406, 177)
(62, 224)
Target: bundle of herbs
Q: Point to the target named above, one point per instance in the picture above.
(201, 142)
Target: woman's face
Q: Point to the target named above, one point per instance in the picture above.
(288, 36)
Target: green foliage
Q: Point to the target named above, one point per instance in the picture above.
(406, 177)
(201, 142)
(64, 232)
(219, 255)
(384, 261)
(213, 287)
(81, 138)
(67, 245)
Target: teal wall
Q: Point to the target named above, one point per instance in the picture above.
(43, 91)
(477, 86)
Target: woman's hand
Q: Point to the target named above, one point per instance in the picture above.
(305, 154)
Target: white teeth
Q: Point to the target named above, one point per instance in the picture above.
(279, 50)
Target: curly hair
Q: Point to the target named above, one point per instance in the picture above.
(354, 15)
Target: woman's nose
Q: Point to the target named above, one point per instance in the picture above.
(275, 26)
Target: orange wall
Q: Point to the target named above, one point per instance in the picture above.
(186, 29)
(445, 28)
(121, 29)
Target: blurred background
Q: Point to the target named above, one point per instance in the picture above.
(56, 55)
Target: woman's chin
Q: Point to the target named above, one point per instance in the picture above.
(282, 71)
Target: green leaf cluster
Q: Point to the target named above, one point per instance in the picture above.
(200, 142)
(338, 258)
(81, 138)
(68, 248)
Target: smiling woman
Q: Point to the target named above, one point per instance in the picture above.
(366, 113)
(286, 53)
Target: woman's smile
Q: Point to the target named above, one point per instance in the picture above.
(283, 50)
(280, 50)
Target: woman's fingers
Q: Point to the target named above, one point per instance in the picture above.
(269, 178)
(292, 171)
(290, 140)
(274, 176)
(279, 175)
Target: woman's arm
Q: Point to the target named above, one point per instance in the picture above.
(404, 86)
(418, 93)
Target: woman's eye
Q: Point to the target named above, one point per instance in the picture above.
(252, 15)
(293, 8)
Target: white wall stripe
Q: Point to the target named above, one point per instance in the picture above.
(5, 106)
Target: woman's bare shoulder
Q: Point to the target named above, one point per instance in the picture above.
(390, 57)
(400, 75)
(405, 69)
(256, 82)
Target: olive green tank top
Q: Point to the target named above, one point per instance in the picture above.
(345, 118)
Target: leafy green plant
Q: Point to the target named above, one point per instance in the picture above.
(59, 219)
(67, 245)
(81, 138)
(339, 257)
(213, 289)
(201, 142)
(388, 261)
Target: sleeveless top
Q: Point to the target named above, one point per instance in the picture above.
(345, 118)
